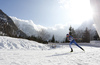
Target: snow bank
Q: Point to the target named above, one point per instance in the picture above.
(95, 43)
(15, 43)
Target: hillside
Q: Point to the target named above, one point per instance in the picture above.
(15, 43)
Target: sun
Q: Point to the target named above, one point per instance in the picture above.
(80, 10)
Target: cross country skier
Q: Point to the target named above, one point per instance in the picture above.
(70, 38)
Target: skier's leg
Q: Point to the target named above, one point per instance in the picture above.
(78, 45)
(71, 47)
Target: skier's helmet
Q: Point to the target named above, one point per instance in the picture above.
(67, 35)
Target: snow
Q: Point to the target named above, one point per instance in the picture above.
(33, 53)
(14, 43)
(95, 43)
(5, 20)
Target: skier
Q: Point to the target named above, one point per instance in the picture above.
(70, 38)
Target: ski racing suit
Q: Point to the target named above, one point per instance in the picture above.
(72, 41)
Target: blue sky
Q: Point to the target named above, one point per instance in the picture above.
(48, 12)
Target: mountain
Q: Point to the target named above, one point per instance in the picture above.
(7, 26)
(28, 27)
(90, 26)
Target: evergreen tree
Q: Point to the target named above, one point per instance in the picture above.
(96, 36)
(73, 33)
(53, 39)
(70, 30)
(86, 36)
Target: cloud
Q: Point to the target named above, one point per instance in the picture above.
(65, 4)
(30, 28)
(27, 26)
(59, 31)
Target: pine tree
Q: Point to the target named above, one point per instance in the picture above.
(70, 30)
(73, 33)
(96, 36)
(86, 36)
(53, 39)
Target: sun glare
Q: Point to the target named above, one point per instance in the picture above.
(81, 10)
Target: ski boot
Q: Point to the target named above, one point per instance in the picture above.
(71, 50)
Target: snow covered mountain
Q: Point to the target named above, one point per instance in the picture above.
(88, 24)
(30, 28)
(7, 26)
(59, 31)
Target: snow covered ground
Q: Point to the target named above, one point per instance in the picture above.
(23, 52)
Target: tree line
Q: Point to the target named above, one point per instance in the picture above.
(84, 36)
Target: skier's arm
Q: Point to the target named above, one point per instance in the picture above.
(70, 38)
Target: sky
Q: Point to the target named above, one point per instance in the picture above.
(49, 13)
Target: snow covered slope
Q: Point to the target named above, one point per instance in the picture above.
(14, 43)
(59, 56)
(11, 53)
